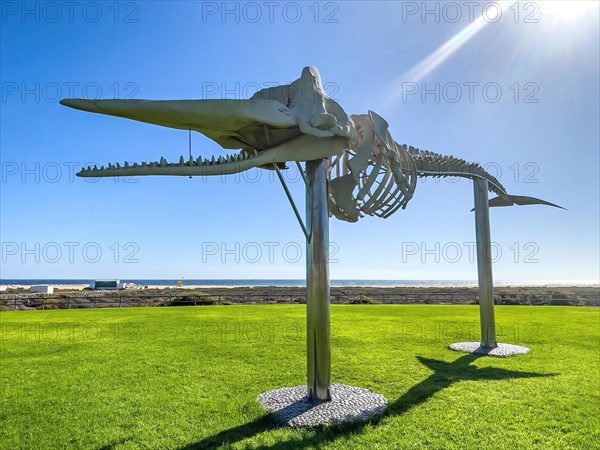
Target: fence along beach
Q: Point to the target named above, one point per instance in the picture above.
(17, 297)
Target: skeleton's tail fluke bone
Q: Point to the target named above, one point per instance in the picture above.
(511, 200)
(431, 164)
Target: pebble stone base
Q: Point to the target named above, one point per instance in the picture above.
(290, 406)
(502, 351)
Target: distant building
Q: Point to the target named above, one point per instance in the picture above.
(106, 284)
(42, 289)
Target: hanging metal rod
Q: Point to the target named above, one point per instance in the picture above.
(291, 200)
(190, 143)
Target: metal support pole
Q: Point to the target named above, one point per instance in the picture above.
(484, 264)
(302, 174)
(291, 200)
(317, 283)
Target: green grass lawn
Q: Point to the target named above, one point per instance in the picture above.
(184, 378)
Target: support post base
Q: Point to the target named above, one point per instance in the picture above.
(501, 350)
(291, 406)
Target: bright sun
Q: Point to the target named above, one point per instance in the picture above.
(567, 10)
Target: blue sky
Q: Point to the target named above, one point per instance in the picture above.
(517, 93)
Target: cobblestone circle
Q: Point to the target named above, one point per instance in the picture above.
(502, 351)
(290, 406)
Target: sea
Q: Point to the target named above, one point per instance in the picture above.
(301, 282)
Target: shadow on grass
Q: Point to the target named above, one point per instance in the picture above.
(444, 375)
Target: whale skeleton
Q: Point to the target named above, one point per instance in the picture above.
(369, 173)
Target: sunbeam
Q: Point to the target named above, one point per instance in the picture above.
(554, 16)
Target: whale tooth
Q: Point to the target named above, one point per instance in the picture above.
(205, 162)
(199, 160)
(95, 167)
(118, 166)
(255, 153)
(135, 164)
(163, 162)
(126, 164)
(144, 164)
(181, 161)
(101, 167)
(212, 160)
(89, 168)
(220, 160)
